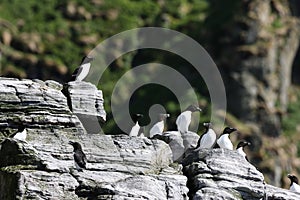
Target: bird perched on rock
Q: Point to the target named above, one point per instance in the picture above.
(158, 127)
(82, 71)
(184, 119)
(208, 138)
(136, 128)
(20, 134)
(240, 148)
(224, 142)
(79, 156)
(294, 183)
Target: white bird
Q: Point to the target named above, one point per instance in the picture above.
(136, 128)
(184, 119)
(240, 148)
(21, 134)
(158, 127)
(82, 71)
(208, 138)
(294, 187)
(224, 142)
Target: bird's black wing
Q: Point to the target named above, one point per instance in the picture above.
(80, 159)
(216, 146)
(76, 72)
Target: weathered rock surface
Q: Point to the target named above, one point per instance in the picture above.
(35, 104)
(86, 102)
(119, 167)
(225, 174)
(180, 143)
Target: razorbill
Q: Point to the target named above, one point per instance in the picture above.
(208, 138)
(158, 127)
(20, 134)
(224, 141)
(79, 156)
(240, 148)
(82, 71)
(136, 128)
(294, 183)
(184, 119)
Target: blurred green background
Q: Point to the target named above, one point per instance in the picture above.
(254, 44)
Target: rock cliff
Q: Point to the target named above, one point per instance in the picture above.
(119, 166)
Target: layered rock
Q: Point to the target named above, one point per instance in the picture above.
(225, 174)
(35, 104)
(119, 166)
(86, 102)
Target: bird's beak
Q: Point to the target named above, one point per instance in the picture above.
(233, 130)
(167, 115)
(206, 124)
(199, 109)
(71, 143)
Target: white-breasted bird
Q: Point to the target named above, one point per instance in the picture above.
(136, 128)
(240, 148)
(82, 71)
(184, 119)
(223, 141)
(294, 187)
(208, 138)
(159, 126)
(20, 134)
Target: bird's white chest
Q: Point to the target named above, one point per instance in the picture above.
(208, 139)
(295, 187)
(157, 128)
(241, 151)
(183, 121)
(224, 142)
(135, 130)
(21, 135)
(84, 72)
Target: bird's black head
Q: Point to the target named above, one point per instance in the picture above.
(228, 130)
(207, 125)
(137, 117)
(86, 59)
(75, 145)
(193, 108)
(21, 128)
(163, 116)
(293, 178)
(243, 144)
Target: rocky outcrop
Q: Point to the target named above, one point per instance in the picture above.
(262, 45)
(119, 166)
(35, 104)
(225, 174)
(86, 102)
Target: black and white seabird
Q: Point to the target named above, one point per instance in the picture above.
(184, 119)
(240, 148)
(294, 183)
(82, 71)
(159, 126)
(208, 138)
(20, 134)
(136, 128)
(79, 156)
(224, 142)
